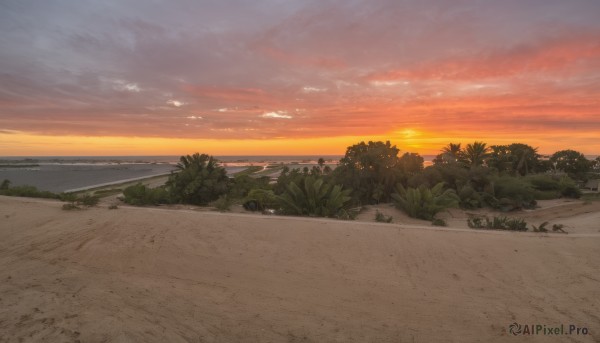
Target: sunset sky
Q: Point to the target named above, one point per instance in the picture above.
(238, 77)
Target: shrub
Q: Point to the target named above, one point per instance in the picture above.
(199, 180)
(243, 184)
(423, 202)
(548, 186)
(88, 200)
(558, 228)
(541, 228)
(140, 194)
(382, 218)
(469, 198)
(438, 222)
(513, 193)
(497, 223)
(113, 207)
(260, 199)
(313, 197)
(27, 191)
(568, 188)
(372, 169)
(5, 185)
(475, 223)
(222, 204)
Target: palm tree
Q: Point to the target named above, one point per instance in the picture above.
(423, 202)
(198, 161)
(475, 154)
(313, 197)
(450, 153)
(526, 157)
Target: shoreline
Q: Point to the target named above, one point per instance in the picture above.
(115, 183)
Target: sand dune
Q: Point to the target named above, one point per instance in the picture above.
(155, 275)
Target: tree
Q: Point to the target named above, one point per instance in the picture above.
(370, 169)
(411, 163)
(571, 162)
(313, 197)
(451, 153)
(199, 180)
(516, 158)
(423, 202)
(475, 154)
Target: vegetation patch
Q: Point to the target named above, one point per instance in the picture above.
(438, 222)
(423, 202)
(141, 195)
(382, 218)
(497, 223)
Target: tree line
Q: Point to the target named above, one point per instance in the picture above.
(503, 177)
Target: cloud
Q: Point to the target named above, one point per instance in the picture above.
(122, 85)
(175, 103)
(309, 89)
(278, 115)
(353, 67)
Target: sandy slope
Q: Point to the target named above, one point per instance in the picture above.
(153, 275)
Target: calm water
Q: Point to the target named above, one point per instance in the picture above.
(60, 173)
(63, 173)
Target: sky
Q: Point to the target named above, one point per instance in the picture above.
(283, 77)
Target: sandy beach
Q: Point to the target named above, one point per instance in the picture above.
(161, 275)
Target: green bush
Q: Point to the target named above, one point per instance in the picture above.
(423, 202)
(313, 197)
(5, 185)
(382, 218)
(140, 194)
(222, 204)
(558, 228)
(548, 186)
(27, 191)
(241, 185)
(88, 200)
(438, 222)
(260, 199)
(513, 193)
(199, 180)
(497, 223)
(541, 228)
(469, 198)
(568, 188)
(372, 169)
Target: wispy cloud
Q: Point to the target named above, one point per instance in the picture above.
(278, 115)
(351, 67)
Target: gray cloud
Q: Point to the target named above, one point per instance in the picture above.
(65, 65)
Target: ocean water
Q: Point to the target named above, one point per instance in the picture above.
(65, 173)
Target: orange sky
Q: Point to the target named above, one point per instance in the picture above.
(310, 78)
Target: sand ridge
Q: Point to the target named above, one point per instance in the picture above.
(153, 275)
